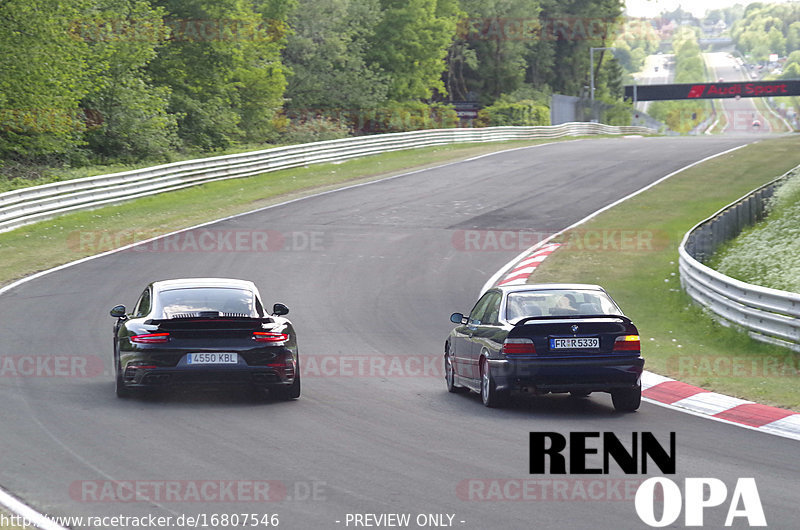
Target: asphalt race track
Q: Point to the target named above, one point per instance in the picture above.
(371, 275)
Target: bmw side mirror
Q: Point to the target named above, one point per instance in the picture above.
(457, 318)
(280, 310)
(118, 311)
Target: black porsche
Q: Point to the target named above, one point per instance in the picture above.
(544, 338)
(205, 331)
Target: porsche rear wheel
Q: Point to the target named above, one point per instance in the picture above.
(288, 393)
(119, 385)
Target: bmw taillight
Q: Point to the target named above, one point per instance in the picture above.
(519, 347)
(151, 338)
(627, 343)
(270, 337)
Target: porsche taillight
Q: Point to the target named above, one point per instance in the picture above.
(519, 347)
(627, 343)
(151, 338)
(270, 337)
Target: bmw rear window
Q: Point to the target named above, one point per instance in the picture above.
(559, 302)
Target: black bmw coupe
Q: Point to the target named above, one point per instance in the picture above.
(205, 331)
(545, 338)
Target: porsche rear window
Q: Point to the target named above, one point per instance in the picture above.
(190, 302)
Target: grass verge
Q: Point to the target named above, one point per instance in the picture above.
(7, 518)
(46, 244)
(639, 267)
(46, 175)
(775, 123)
(722, 121)
(766, 254)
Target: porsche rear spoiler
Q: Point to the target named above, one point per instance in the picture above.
(220, 322)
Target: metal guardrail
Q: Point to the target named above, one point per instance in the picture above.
(29, 205)
(768, 315)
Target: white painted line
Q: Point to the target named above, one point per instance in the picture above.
(17, 506)
(710, 403)
(284, 203)
(703, 404)
(493, 280)
(783, 434)
(649, 379)
(519, 281)
(788, 427)
(31, 515)
(525, 270)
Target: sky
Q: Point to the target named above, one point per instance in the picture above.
(653, 8)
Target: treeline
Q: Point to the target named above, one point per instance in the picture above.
(87, 81)
(634, 43)
(767, 29)
(683, 116)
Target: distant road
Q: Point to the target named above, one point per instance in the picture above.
(658, 70)
(742, 116)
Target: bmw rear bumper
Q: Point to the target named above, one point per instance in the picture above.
(542, 375)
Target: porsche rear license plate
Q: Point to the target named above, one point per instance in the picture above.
(575, 343)
(212, 358)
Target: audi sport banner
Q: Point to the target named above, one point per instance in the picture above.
(744, 89)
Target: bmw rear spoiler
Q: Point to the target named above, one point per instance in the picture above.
(570, 317)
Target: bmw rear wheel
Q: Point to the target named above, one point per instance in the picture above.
(489, 395)
(450, 376)
(627, 399)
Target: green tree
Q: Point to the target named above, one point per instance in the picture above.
(777, 42)
(496, 37)
(793, 37)
(588, 23)
(222, 65)
(123, 37)
(410, 44)
(326, 56)
(43, 76)
(767, 28)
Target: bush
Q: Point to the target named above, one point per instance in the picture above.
(403, 116)
(616, 113)
(504, 112)
(315, 129)
(765, 253)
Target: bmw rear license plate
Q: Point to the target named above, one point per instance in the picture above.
(212, 358)
(575, 343)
